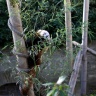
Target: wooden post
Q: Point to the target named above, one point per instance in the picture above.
(93, 52)
(75, 73)
(84, 47)
(19, 44)
(68, 26)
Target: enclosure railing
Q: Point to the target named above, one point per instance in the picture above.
(81, 58)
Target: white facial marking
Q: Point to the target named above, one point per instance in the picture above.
(44, 33)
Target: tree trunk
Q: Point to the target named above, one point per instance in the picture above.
(19, 44)
(68, 27)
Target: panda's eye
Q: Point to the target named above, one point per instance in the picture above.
(47, 36)
(44, 34)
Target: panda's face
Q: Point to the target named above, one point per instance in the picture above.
(43, 33)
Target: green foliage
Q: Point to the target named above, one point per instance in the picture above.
(92, 20)
(43, 14)
(48, 15)
(77, 13)
(93, 95)
(57, 89)
(5, 33)
(93, 92)
(13, 2)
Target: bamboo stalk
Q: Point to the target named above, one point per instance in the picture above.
(19, 44)
(74, 75)
(84, 47)
(68, 27)
(88, 49)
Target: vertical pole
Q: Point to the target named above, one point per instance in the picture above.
(68, 27)
(84, 48)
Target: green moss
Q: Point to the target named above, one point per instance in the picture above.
(13, 2)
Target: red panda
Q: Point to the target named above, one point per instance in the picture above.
(38, 46)
(42, 39)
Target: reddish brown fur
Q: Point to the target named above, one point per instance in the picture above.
(25, 89)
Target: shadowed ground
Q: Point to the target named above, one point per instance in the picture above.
(51, 69)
